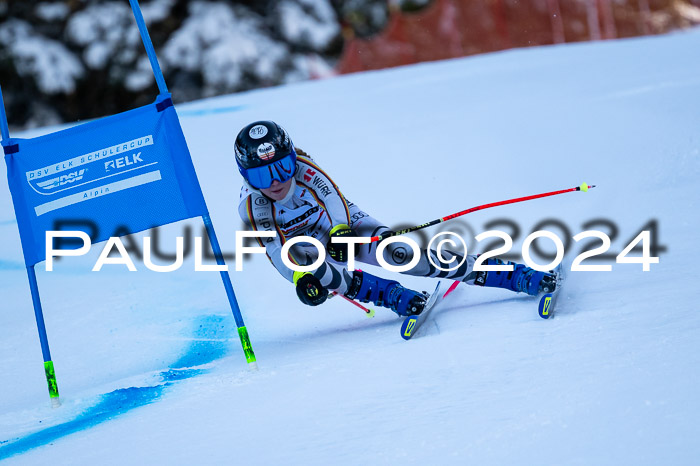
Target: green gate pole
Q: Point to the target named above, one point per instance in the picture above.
(242, 331)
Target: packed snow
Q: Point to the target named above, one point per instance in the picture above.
(150, 368)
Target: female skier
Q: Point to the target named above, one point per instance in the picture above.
(286, 192)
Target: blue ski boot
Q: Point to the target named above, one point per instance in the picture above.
(520, 279)
(387, 293)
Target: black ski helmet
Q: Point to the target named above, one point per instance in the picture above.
(261, 143)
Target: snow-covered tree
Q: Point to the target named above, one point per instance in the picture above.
(66, 60)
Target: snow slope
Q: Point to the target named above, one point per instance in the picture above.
(150, 368)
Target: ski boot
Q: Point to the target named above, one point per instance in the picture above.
(387, 293)
(520, 279)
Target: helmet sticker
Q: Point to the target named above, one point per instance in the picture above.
(266, 151)
(257, 131)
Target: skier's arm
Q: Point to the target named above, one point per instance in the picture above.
(256, 212)
(326, 192)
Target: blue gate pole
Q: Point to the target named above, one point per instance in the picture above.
(160, 80)
(150, 51)
(3, 122)
(242, 331)
(45, 352)
(36, 300)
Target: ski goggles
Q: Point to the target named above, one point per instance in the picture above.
(262, 177)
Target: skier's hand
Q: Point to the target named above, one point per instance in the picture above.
(339, 251)
(309, 289)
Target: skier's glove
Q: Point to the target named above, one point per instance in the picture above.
(309, 289)
(339, 251)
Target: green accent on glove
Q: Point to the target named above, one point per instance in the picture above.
(51, 379)
(297, 276)
(339, 251)
(337, 228)
(245, 341)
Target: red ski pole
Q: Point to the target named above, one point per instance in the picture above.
(369, 312)
(584, 187)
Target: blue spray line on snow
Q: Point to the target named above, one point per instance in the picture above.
(209, 111)
(210, 343)
(10, 265)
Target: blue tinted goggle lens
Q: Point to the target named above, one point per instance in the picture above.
(281, 170)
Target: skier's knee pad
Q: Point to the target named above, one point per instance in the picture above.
(398, 254)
